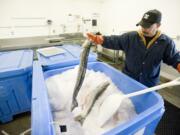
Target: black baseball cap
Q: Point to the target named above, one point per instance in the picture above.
(149, 18)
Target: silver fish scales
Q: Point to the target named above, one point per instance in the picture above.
(81, 72)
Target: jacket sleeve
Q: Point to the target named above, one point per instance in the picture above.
(171, 55)
(115, 42)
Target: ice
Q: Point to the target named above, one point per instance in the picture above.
(65, 118)
(60, 90)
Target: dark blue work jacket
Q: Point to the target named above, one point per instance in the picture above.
(143, 61)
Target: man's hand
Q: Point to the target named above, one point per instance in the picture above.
(178, 67)
(97, 39)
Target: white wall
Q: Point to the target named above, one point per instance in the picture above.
(122, 15)
(22, 18)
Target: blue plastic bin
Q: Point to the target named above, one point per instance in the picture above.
(15, 83)
(70, 57)
(149, 107)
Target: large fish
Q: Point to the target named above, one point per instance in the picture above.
(81, 71)
(90, 99)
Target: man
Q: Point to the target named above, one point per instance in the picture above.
(144, 49)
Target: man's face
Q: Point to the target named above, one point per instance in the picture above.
(151, 31)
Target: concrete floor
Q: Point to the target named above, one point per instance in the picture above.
(19, 124)
(171, 94)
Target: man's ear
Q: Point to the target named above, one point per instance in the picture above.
(158, 25)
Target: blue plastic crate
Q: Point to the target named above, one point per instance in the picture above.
(149, 107)
(70, 57)
(15, 83)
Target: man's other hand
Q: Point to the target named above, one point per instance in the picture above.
(178, 67)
